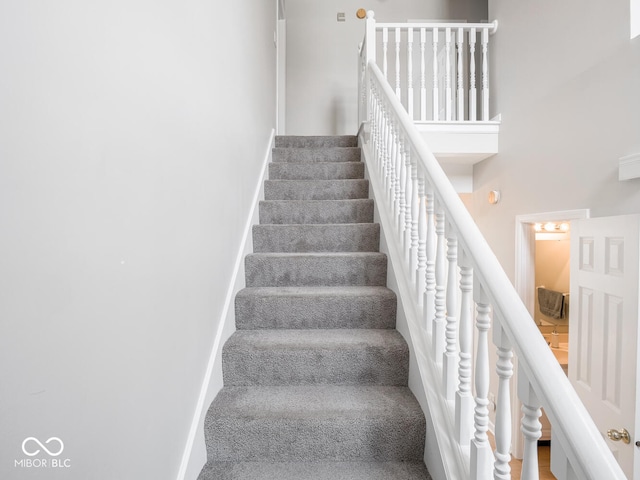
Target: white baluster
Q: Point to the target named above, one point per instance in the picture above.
(472, 75)
(392, 166)
(447, 74)
(450, 357)
(415, 235)
(531, 427)
(504, 369)
(436, 107)
(460, 94)
(423, 76)
(485, 75)
(410, 73)
(398, 40)
(464, 400)
(422, 245)
(400, 191)
(481, 457)
(385, 50)
(408, 203)
(438, 332)
(430, 271)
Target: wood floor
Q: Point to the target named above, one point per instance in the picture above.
(544, 464)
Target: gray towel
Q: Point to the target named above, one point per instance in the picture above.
(551, 303)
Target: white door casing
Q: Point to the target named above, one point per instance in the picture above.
(603, 332)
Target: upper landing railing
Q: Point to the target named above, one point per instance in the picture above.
(439, 71)
(464, 317)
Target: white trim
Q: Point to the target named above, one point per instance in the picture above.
(525, 285)
(634, 18)
(228, 313)
(629, 166)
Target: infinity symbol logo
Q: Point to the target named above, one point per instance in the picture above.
(33, 439)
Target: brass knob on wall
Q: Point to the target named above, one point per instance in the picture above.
(617, 435)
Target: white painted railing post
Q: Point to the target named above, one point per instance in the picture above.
(398, 39)
(369, 54)
(438, 333)
(460, 71)
(485, 74)
(385, 52)
(423, 75)
(481, 456)
(409, 195)
(450, 356)
(415, 220)
(447, 75)
(436, 94)
(531, 426)
(473, 99)
(410, 72)
(430, 268)
(421, 271)
(504, 369)
(464, 400)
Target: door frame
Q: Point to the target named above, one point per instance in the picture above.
(525, 244)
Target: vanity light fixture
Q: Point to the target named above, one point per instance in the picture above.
(551, 227)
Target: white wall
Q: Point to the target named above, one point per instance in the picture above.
(131, 137)
(565, 78)
(322, 59)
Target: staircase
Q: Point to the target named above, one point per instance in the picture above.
(315, 376)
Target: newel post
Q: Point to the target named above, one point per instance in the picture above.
(369, 54)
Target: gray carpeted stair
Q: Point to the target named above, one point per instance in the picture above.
(315, 376)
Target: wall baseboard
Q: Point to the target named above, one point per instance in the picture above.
(194, 456)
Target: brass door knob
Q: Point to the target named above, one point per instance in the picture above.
(617, 435)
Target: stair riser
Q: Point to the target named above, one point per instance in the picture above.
(264, 270)
(316, 212)
(249, 364)
(316, 141)
(306, 439)
(255, 311)
(316, 238)
(313, 155)
(315, 190)
(316, 171)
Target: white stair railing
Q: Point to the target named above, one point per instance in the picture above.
(446, 271)
(442, 87)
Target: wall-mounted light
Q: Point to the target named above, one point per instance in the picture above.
(494, 197)
(552, 230)
(361, 13)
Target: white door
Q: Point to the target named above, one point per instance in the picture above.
(603, 331)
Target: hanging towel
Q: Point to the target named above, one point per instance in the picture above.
(551, 303)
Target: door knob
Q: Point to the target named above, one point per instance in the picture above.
(617, 435)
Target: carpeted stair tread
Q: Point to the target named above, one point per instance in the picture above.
(316, 189)
(315, 307)
(314, 471)
(316, 211)
(304, 423)
(309, 357)
(313, 141)
(315, 269)
(316, 154)
(316, 171)
(363, 237)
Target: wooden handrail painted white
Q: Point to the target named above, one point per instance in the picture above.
(394, 141)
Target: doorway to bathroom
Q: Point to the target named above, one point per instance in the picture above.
(542, 254)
